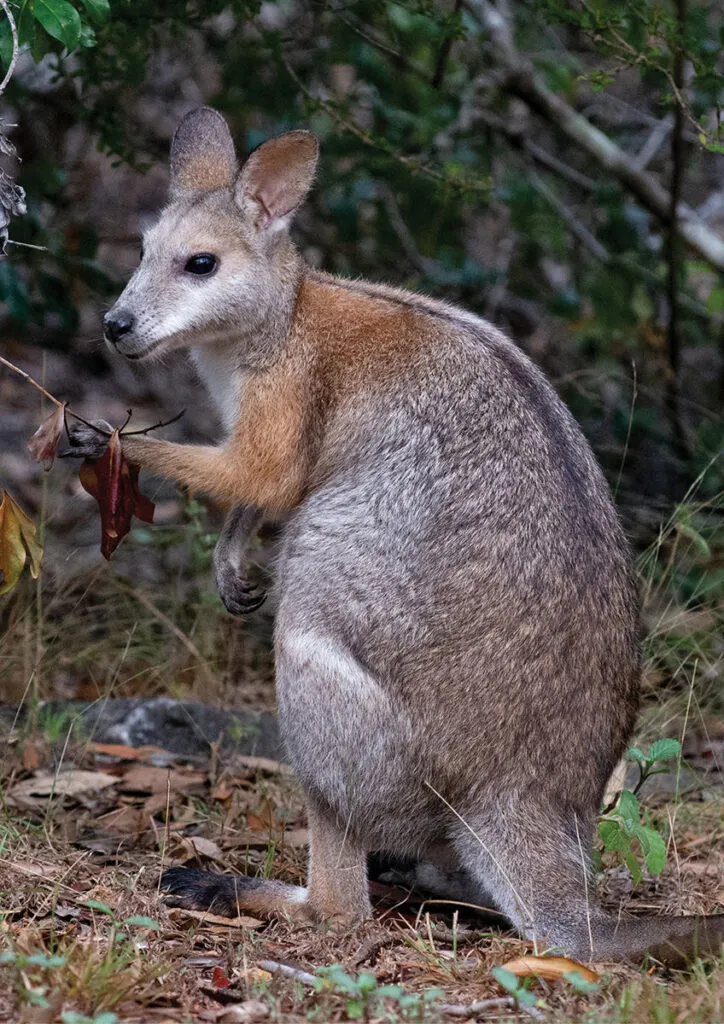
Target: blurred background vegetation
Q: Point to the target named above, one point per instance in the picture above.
(555, 166)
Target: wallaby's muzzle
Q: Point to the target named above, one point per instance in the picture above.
(116, 324)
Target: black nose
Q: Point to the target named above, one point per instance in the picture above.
(115, 325)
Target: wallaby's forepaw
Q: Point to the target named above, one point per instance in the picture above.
(240, 596)
(86, 442)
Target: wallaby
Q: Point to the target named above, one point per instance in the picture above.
(457, 649)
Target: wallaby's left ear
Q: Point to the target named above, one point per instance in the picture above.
(277, 176)
(202, 154)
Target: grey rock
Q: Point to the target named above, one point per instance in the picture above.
(184, 728)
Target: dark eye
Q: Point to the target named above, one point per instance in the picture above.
(202, 263)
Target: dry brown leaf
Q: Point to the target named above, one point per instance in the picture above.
(262, 764)
(191, 847)
(69, 783)
(262, 822)
(43, 445)
(31, 758)
(26, 867)
(18, 542)
(143, 778)
(296, 838)
(552, 968)
(126, 820)
(125, 753)
(180, 914)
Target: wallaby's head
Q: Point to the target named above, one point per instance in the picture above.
(219, 258)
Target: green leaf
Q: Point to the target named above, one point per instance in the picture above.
(6, 43)
(715, 302)
(60, 20)
(97, 905)
(634, 867)
(580, 983)
(507, 979)
(655, 851)
(636, 754)
(44, 960)
(628, 808)
(664, 750)
(355, 1009)
(140, 921)
(390, 991)
(98, 10)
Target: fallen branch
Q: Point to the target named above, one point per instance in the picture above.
(288, 972)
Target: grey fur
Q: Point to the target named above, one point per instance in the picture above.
(457, 636)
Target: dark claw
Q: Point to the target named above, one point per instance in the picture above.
(240, 596)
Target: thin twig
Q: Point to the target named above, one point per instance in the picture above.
(51, 398)
(77, 416)
(156, 426)
(16, 47)
(673, 340)
(288, 972)
(458, 1010)
(26, 245)
(442, 58)
(413, 164)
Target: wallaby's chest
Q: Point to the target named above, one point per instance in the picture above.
(224, 381)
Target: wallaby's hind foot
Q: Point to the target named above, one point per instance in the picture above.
(231, 895)
(337, 890)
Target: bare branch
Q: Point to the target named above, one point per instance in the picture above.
(16, 48)
(519, 78)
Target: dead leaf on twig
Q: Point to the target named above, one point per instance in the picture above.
(113, 481)
(43, 445)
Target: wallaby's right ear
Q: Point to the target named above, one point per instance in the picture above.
(202, 154)
(276, 178)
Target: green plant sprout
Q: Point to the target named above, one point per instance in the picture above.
(621, 829)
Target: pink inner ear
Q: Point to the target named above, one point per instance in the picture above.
(278, 174)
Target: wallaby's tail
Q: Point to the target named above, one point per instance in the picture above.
(674, 941)
(230, 895)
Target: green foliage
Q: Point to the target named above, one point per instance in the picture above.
(621, 829)
(517, 987)
(418, 159)
(366, 998)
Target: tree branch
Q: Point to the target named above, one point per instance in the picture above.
(673, 339)
(519, 78)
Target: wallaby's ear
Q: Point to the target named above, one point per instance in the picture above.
(277, 176)
(202, 154)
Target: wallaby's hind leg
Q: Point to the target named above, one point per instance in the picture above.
(537, 865)
(337, 888)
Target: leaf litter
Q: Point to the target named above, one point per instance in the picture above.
(83, 855)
